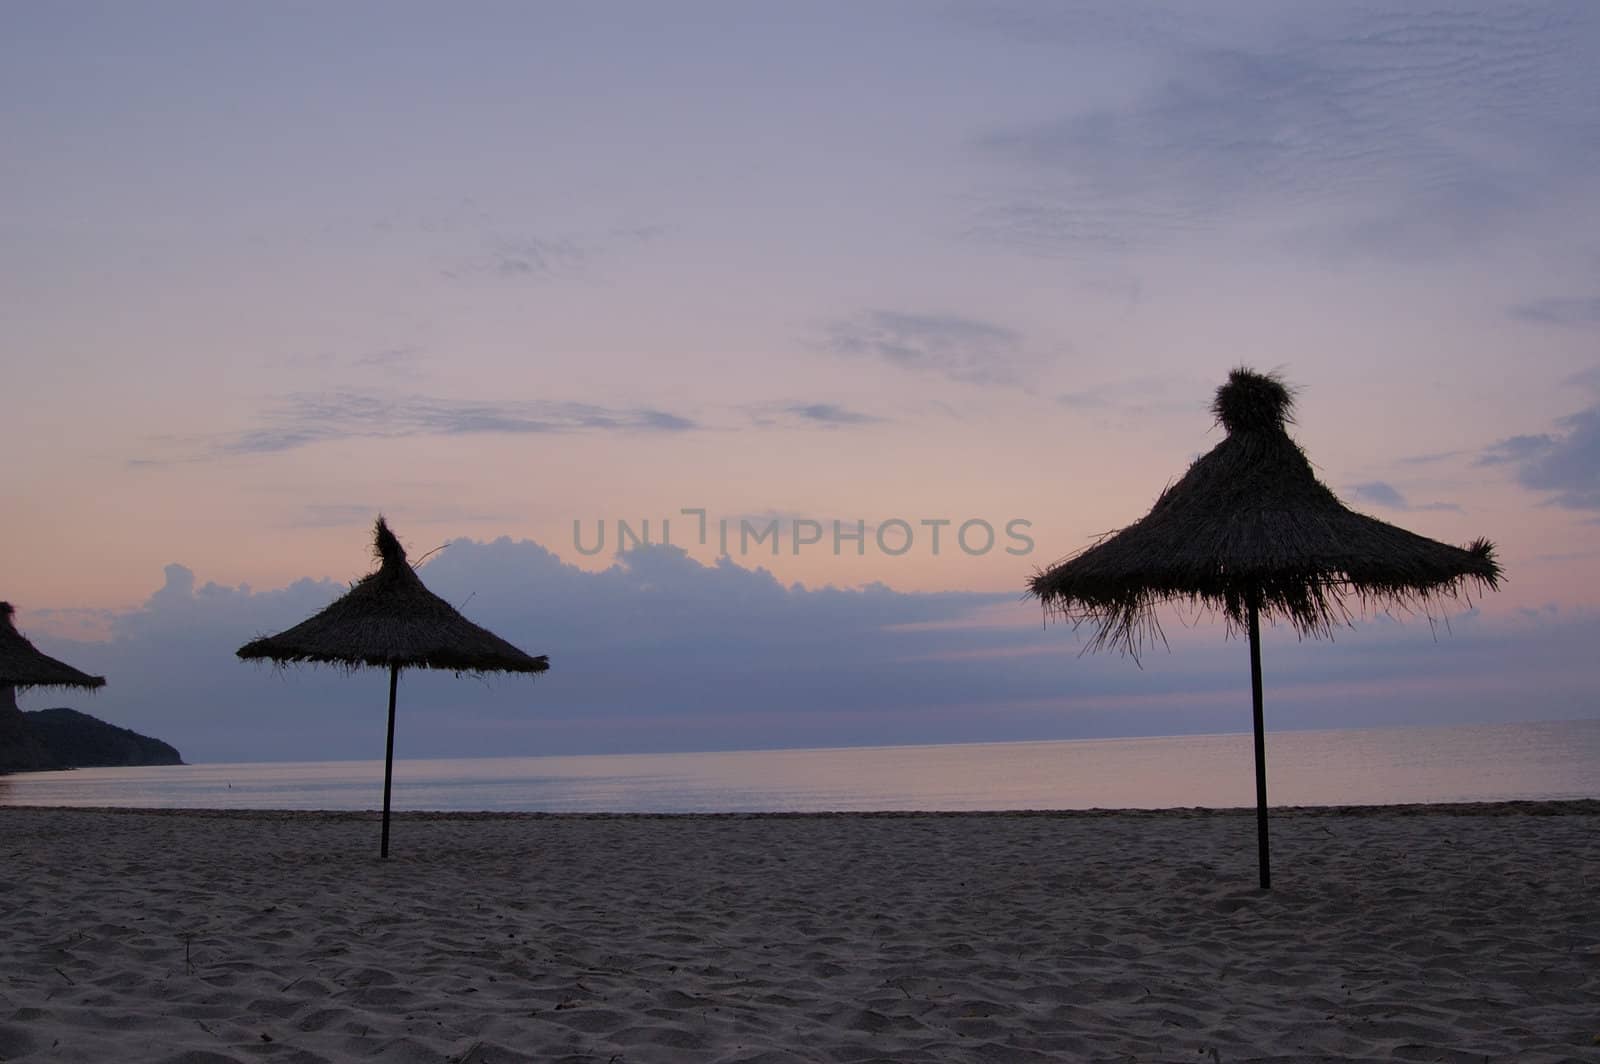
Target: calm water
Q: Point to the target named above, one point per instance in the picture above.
(1361, 767)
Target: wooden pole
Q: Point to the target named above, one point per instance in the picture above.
(1261, 748)
(388, 757)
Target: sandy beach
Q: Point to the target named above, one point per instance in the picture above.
(1465, 933)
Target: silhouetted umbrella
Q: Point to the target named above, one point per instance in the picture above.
(22, 665)
(1250, 531)
(390, 620)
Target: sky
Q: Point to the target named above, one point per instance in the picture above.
(520, 275)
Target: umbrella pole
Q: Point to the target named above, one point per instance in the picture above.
(1261, 749)
(388, 760)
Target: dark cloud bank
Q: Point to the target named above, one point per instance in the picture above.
(659, 652)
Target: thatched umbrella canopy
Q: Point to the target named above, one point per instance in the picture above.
(388, 619)
(1250, 531)
(23, 665)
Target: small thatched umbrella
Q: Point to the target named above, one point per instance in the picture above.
(1250, 531)
(389, 620)
(22, 665)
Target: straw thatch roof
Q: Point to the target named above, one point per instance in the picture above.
(21, 665)
(1251, 520)
(388, 618)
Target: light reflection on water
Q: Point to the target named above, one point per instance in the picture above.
(1358, 767)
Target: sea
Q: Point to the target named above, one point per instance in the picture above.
(1369, 766)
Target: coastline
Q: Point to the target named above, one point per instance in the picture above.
(1509, 807)
(1397, 932)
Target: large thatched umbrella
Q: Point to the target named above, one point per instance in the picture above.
(1250, 531)
(389, 620)
(22, 665)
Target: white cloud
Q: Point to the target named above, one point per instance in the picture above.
(963, 349)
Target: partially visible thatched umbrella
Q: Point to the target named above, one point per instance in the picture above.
(23, 665)
(1250, 531)
(389, 620)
